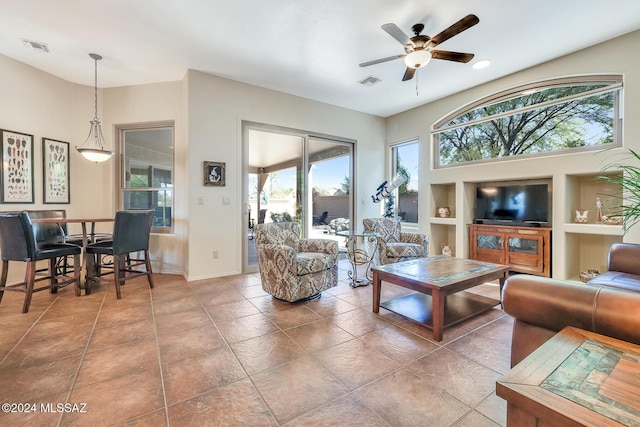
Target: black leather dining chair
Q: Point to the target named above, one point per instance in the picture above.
(131, 230)
(47, 233)
(59, 232)
(18, 243)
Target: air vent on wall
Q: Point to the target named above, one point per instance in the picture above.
(369, 81)
(36, 45)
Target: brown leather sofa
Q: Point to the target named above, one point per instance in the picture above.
(623, 268)
(608, 304)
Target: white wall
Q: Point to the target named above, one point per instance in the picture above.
(154, 103)
(217, 107)
(37, 103)
(614, 56)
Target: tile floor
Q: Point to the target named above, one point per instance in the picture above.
(222, 352)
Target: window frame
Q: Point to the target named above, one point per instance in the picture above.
(613, 82)
(120, 175)
(394, 172)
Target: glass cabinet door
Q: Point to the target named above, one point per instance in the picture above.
(523, 245)
(525, 252)
(489, 241)
(488, 246)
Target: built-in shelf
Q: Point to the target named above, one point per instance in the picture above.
(586, 246)
(443, 195)
(600, 229)
(443, 221)
(576, 246)
(583, 191)
(443, 230)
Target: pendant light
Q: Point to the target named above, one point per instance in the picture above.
(93, 147)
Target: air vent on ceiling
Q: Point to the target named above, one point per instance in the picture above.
(36, 45)
(369, 81)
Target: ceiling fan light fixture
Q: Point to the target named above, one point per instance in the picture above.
(417, 58)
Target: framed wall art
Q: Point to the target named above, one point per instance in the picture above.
(214, 174)
(17, 167)
(55, 171)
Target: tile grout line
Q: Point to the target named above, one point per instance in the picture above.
(33, 324)
(155, 334)
(226, 342)
(84, 353)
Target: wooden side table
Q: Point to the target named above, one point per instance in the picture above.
(577, 378)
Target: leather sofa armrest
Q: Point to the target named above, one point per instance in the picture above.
(624, 257)
(549, 303)
(542, 306)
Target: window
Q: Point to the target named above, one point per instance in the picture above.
(555, 115)
(405, 162)
(146, 171)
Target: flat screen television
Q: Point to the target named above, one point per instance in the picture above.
(520, 204)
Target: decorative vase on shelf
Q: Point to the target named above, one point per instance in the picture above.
(582, 216)
(598, 211)
(446, 250)
(443, 212)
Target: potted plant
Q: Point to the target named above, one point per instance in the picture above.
(628, 199)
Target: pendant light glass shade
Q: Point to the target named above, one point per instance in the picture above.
(93, 147)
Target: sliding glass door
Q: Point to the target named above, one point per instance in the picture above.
(295, 176)
(329, 179)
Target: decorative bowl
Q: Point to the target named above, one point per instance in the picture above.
(612, 220)
(443, 212)
(587, 275)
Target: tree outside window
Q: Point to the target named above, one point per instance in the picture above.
(146, 171)
(541, 120)
(405, 163)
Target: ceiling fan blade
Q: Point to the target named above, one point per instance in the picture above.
(408, 75)
(463, 24)
(398, 34)
(452, 56)
(378, 61)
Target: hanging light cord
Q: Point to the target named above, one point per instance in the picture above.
(95, 87)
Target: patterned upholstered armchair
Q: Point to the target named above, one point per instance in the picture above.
(393, 244)
(293, 268)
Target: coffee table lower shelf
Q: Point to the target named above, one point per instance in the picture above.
(458, 307)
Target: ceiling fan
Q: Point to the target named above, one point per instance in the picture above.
(419, 49)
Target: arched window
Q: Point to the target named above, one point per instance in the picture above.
(550, 116)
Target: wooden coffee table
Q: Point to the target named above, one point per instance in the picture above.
(577, 378)
(437, 278)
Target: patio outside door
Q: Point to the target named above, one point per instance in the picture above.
(293, 176)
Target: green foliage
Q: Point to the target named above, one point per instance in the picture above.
(629, 181)
(139, 178)
(574, 123)
(346, 185)
(402, 170)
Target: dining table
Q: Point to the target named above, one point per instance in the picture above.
(88, 236)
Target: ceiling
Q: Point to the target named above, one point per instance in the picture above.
(307, 48)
